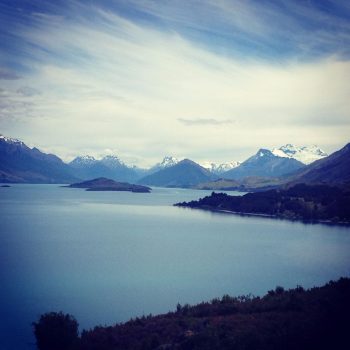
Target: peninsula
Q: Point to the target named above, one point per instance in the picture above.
(104, 184)
(313, 203)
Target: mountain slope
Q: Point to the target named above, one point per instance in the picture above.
(185, 174)
(19, 163)
(264, 164)
(334, 169)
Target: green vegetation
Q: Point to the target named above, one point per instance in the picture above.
(300, 202)
(283, 319)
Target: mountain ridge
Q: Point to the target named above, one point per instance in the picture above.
(185, 173)
(20, 163)
(264, 164)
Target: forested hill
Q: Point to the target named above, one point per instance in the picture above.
(300, 319)
(300, 202)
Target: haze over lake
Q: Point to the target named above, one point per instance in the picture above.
(107, 256)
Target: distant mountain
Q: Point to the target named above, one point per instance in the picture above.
(305, 154)
(264, 164)
(112, 162)
(185, 173)
(82, 161)
(334, 169)
(219, 168)
(87, 167)
(19, 163)
(168, 161)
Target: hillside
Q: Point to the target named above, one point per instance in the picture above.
(312, 319)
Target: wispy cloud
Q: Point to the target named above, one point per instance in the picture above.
(99, 79)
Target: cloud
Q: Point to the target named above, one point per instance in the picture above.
(8, 75)
(98, 81)
(205, 121)
(27, 91)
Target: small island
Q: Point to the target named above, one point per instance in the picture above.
(310, 203)
(104, 184)
(5, 186)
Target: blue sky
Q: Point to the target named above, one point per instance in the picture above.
(209, 80)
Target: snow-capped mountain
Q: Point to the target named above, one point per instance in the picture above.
(110, 166)
(264, 164)
(10, 140)
(219, 168)
(82, 161)
(167, 162)
(184, 173)
(304, 154)
(112, 162)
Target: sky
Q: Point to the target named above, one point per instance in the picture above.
(209, 80)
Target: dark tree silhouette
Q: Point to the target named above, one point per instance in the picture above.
(56, 331)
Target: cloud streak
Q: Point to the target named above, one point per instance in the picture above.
(100, 79)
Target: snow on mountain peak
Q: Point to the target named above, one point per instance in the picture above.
(219, 168)
(263, 152)
(279, 153)
(111, 161)
(304, 154)
(10, 140)
(168, 161)
(83, 160)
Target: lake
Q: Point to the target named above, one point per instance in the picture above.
(105, 257)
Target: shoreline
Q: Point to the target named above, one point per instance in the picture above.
(268, 216)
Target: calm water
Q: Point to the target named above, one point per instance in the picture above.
(107, 256)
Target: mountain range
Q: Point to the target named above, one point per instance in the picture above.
(264, 164)
(332, 170)
(20, 163)
(87, 167)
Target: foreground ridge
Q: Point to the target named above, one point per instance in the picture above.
(317, 318)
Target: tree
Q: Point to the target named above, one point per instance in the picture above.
(56, 331)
